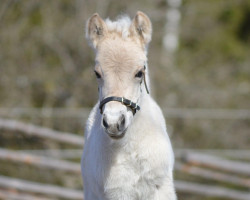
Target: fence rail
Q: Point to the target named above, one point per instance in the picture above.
(13, 195)
(212, 191)
(212, 175)
(203, 164)
(40, 161)
(30, 129)
(187, 113)
(28, 186)
(214, 162)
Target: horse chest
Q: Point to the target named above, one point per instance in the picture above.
(130, 175)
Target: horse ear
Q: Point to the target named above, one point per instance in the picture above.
(141, 26)
(96, 29)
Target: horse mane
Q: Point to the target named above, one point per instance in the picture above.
(121, 25)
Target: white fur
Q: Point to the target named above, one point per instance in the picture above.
(129, 168)
(122, 25)
(138, 166)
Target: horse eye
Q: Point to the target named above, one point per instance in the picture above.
(97, 74)
(139, 74)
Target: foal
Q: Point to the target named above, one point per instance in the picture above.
(127, 153)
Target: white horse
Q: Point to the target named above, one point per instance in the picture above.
(127, 153)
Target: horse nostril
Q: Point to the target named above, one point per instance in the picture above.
(123, 120)
(121, 123)
(105, 124)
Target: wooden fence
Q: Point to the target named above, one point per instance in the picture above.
(228, 167)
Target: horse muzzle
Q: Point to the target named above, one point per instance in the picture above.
(115, 123)
(115, 126)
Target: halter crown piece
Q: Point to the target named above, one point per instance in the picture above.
(126, 102)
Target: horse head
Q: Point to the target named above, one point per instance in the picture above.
(120, 67)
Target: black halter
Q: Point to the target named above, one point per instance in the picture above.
(126, 102)
(123, 100)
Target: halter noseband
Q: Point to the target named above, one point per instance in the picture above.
(124, 101)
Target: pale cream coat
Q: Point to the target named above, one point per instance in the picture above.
(138, 166)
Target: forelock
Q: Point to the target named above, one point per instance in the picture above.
(121, 25)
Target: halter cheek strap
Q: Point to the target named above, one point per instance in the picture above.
(126, 102)
(144, 80)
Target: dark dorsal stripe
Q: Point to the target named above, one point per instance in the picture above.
(123, 100)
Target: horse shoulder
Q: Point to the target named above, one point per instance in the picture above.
(91, 156)
(91, 122)
(155, 144)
